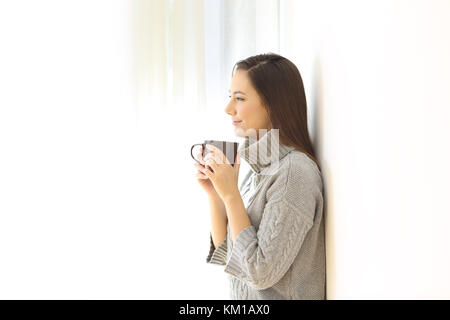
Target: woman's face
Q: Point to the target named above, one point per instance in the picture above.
(246, 106)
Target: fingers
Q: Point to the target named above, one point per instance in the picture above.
(211, 162)
(199, 157)
(200, 175)
(200, 172)
(219, 155)
(199, 167)
(213, 156)
(209, 172)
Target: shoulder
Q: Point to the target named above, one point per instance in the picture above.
(302, 167)
(296, 179)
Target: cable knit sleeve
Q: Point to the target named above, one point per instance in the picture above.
(217, 255)
(261, 258)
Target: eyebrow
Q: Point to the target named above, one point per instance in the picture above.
(237, 92)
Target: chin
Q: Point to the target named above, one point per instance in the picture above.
(240, 132)
(237, 134)
(243, 133)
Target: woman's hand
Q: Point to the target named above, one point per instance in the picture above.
(202, 179)
(225, 176)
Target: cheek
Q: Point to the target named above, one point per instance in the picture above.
(259, 116)
(248, 112)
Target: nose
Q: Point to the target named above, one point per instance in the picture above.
(229, 109)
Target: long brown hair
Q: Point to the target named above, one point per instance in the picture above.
(280, 87)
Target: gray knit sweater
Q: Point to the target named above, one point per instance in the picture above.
(282, 254)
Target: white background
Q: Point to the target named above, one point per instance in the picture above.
(99, 202)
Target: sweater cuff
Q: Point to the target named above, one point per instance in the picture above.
(238, 252)
(217, 255)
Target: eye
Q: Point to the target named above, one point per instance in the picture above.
(237, 98)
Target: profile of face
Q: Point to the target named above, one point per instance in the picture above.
(246, 106)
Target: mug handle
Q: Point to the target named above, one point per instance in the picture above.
(197, 144)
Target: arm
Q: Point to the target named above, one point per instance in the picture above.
(218, 236)
(261, 258)
(218, 220)
(237, 215)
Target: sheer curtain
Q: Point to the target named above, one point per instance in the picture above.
(184, 53)
(101, 101)
(185, 49)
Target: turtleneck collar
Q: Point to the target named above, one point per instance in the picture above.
(258, 153)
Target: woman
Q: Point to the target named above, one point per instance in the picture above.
(269, 231)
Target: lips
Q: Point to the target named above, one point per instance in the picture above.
(236, 122)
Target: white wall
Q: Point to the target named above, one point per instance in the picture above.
(377, 76)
